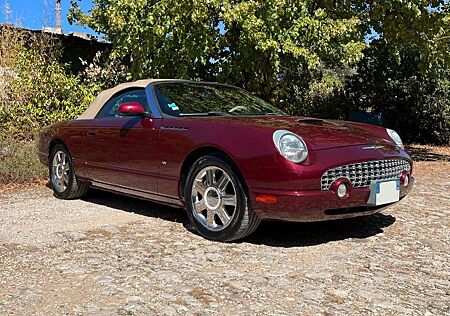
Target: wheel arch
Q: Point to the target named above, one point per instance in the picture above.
(198, 152)
(53, 143)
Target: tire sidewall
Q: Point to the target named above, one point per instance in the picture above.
(66, 192)
(241, 197)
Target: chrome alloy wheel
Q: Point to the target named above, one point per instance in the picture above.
(60, 171)
(214, 198)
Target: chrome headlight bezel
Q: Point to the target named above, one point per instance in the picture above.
(395, 137)
(280, 135)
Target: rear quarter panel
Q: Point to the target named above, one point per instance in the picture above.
(73, 135)
(47, 135)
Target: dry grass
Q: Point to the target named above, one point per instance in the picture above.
(19, 163)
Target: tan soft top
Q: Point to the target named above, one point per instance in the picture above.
(104, 96)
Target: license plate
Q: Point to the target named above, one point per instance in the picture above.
(384, 192)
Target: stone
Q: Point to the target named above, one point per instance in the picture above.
(76, 235)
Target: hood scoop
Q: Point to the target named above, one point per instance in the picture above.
(311, 121)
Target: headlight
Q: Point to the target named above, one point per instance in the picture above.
(291, 146)
(395, 137)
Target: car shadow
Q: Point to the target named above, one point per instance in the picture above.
(136, 206)
(291, 234)
(270, 233)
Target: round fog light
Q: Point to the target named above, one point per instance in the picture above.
(406, 181)
(342, 190)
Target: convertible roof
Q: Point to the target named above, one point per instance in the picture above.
(105, 95)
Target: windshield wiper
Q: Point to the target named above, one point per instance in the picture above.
(211, 113)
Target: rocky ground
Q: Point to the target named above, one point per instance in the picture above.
(107, 255)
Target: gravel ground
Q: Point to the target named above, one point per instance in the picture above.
(108, 255)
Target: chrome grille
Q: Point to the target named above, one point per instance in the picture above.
(362, 173)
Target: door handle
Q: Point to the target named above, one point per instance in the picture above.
(91, 132)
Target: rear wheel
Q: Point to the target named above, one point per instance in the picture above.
(216, 201)
(64, 182)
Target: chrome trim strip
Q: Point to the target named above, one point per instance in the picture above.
(176, 128)
(372, 147)
(138, 193)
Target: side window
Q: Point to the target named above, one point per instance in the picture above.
(164, 94)
(111, 107)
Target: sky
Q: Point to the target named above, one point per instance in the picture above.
(34, 14)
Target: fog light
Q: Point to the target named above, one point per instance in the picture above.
(342, 190)
(405, 178)
(406, 181)
(342, 187)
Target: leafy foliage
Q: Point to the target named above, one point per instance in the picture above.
(400, 24)
(260, 45)
(105, 71)
(418, 24)
(417, 105)
(39, 92)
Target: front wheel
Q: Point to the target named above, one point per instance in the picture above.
(216, 202)
(64, 182)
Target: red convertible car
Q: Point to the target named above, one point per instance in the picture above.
(229, 158)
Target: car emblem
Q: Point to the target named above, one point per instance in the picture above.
(372, 147)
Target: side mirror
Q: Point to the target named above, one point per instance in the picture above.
(131, 109)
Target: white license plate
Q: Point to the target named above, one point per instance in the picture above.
(384, 192)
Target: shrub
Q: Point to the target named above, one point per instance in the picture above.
(19, 162)
(106, 71)
(40, 92)
(416, 104)
(35, 91)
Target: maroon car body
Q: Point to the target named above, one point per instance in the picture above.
(150, 156)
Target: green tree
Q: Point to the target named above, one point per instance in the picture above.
(422, 24)
(260, 45)
(414, 103)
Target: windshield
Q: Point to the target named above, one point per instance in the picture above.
(191, 99)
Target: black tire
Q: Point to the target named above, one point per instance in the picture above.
(243, 221)
(74, 188)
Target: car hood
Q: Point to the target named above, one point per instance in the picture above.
(320, 134)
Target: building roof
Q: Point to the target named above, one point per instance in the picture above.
(77, 48)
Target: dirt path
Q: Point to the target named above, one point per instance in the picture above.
(108, 255)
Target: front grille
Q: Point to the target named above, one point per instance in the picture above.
(362, 173)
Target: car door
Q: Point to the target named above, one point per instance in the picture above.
(128, 146)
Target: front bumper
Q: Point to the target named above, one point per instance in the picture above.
(316, 205)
